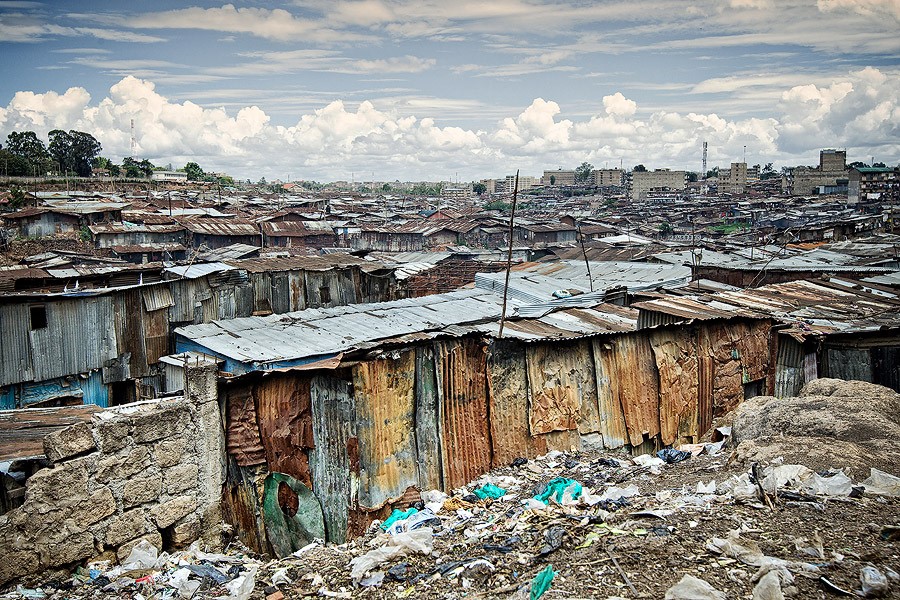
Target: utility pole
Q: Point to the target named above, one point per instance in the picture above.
(512, 216)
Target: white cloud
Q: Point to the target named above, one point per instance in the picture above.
(868, 8)
(859, 110)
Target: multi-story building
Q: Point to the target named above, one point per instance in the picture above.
(525, 182)
(831, 175)
(608, 177)
(661, 180)
(873, 183)
(734, 180)
(169, 176)
(558, 177)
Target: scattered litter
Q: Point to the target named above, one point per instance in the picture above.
(648, 460)
(398, 515)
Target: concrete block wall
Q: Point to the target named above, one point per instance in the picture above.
(151, 470)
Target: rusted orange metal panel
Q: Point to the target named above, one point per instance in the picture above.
(465, 429)
(739, 353)
(704, 392)
(241, 504)
(638, 385)
(285, 424)
(676, 361)
(384, 391)
(554, 385)
(508, 392)
(242, 440)
(612, 419)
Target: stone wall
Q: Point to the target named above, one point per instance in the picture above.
(151, 470)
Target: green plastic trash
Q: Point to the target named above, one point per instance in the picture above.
(541, 582)
(557, 487)
(490, 491)
(397, 515)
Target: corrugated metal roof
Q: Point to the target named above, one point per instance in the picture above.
(326, 331)
(809, 307)
(225, 227)
(199, 270)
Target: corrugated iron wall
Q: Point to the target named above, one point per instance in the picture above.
(789, 367)
(440, 414)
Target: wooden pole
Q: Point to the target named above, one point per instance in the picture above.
(512, 216)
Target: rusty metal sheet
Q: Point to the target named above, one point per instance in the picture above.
(156, 335)
(242, 439)
(788, 367)
(552, 389)
(384, 391)
(428, 431)
(740, 354)
(508, 392)
(704, 392)
(334, 432)
(285, 424)
(462, 383)
(676, 360)
(638, 385)
(612, 419)
(242, 504)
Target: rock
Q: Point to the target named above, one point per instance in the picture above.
(63, 483)
(119, 467)
(113, 435)
(16, 564)
(127, 526)
(169, 512)
(71, 441)
(154, 537)
(169, 452)
(68, 548)
(163, 422)
(99, 505)
(141, 490)
(185, 533)
(181, 478)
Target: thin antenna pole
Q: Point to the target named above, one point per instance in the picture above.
(512, 216)
(587, 265)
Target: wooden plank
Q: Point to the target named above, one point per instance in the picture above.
(22, 431)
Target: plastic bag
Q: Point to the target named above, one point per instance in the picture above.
(542, 582)
(143, 556)
(881, 483)
(397, 515)
(420, 519)
(648, 460)
(490, 490)
(180, 580)
(561, 491)
(783, 476)
(615, 493)
(241, 587)
(693, 588)
(836, 485)
(672, 455)
(419, 541)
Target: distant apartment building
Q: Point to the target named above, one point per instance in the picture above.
(456, 192)
(643, 183)
(490, 185)
(734, 180)
(831, 176)
(608, 177)
(868, 184)
(558, 177)
(526, 182)
(169, 176)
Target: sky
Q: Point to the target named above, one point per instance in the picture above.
(461, 90)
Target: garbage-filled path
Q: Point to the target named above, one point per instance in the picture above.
(706, 521)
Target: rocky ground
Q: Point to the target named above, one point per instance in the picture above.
(763, 530)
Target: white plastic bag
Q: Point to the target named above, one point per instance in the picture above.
(881, 483)
(143, 556)
(693, 588)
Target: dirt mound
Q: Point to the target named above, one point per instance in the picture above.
(831, 424)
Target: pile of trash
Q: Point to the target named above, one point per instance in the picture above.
(581, 524)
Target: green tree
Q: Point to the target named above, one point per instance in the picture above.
(583, 172)
(386, 187)
(640, 168)
(479, 188)
(132, 168)
(28, 148)
(16, 197)
(712, 173)
(74, 150)
(691, 176)
(146, 167)
(665, 228)
(553, 180)
(194, 172)
(14, 165)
